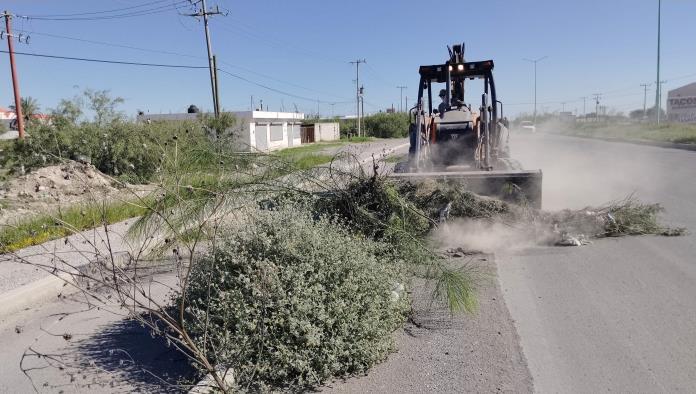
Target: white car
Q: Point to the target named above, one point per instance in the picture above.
(526, 125)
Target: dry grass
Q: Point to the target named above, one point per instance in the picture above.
(670, 132)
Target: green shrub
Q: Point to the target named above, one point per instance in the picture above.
(385, 125)
(292, 300)
(132, 151)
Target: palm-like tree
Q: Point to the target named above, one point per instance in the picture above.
(29, 107)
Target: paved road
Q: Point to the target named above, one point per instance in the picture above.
(620, 314)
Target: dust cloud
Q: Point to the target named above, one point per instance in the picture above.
(492, 236)
(577, 173)
(581, 172)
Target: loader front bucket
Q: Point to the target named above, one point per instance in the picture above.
(522, 187)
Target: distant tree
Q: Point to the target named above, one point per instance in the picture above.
(636, 114)
(220, 126)
(192, 109)
(68, 110)
(103, 105)
(651, 113)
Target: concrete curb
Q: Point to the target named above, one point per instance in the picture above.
(25, 296)
(659, 144)
(51, 285)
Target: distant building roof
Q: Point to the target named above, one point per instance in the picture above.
(266, 115)
(6, 113)
(686, 90)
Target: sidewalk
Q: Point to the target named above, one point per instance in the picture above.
(26, 276)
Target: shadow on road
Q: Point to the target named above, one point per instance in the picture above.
(130, 352)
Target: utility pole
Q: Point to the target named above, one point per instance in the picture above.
(15, 80)
(563, 106)
(535, 61)
(251, 103)
(317, 108)
(659, 108)
(658, 92)
(357, 90)
(362, 104)
(406, 103)
(584, 98)
(597, 96)
(645, 99)
(332, 109)
(217, 91)
(205, 13)
(401, 97)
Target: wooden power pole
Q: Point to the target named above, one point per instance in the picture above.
(213, 72)
(15, 80)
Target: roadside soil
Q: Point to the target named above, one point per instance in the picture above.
(443, 353)
(47, 189)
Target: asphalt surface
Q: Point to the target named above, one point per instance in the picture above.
(66, 345)
(619, 314)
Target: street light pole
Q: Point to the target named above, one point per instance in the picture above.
(535, 61)
(658, 89)
(645, 99)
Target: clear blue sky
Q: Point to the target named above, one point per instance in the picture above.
(303, 48)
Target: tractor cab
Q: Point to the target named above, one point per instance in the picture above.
(455, 132)
(464, 142)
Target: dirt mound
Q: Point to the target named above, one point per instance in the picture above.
(61, 182)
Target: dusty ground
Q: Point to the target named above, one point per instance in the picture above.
(441, 353)
(45, 189)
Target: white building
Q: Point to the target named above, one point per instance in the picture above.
(255, 131)
(267, 131)
(317, 132)
(7, 116)
(681, 104)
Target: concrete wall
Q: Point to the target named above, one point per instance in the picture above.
(294, 138)
(277, 128)
(327, 132)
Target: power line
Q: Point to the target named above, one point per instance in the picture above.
(177, 66)
(251, 32)
(109, 44)
(105, 61)
(278, 90)
(103, 12)
(149, 11)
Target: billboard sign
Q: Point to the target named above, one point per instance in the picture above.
(681, 104)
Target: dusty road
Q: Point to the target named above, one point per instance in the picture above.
(618, 315)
